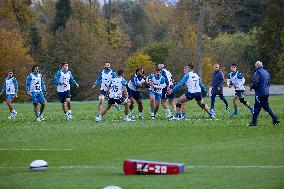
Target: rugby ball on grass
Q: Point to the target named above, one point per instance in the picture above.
(38, 165)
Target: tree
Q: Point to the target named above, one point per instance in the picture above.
(63, 13)
(159, 53)
(84, 43)
(269, 35)
(134, 20)
(138, 60)
(14, 56)
(240, 49)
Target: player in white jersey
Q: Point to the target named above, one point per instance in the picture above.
(235, 79)
(35, 87)
(117, 93)
(11, 88)
(156, 83)
(62, 80)
(170, 85)
(195, 90)
(106, 75)
(136, 82)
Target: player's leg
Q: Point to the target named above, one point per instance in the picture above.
(41, 100)
(265, 104)
(134, 95)
(131, 106)
(257, 108)
(126, 103)
(157, 102)
(235, 112)
(164, 103)
(171, 98)
(64, 107)
(106, 109)
(183, 111)
(61, 96)
(36, 112)
(101, 100)
(166, 108)
(152, 104)
(212, 104)
(182, 99)
(35, 101)
(111, 101)
(9, 101)
(68, 104)
(221, 96)
(202, 105)
(140, 106)
(244, 102)
(172, 103)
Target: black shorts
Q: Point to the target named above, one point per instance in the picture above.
(240, 93)
(165, 95)
(134, 94)
(197, 96)
(64, 95)
(118, 101)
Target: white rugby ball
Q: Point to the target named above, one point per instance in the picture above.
(112, 187)
(38, 165)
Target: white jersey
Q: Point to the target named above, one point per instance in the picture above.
(106, 79)
(64, 81)
(116, 87)
(36, 81)
(10, 86)
(237, 80)
(169, 76)
(136, 82)
(159, 83)
(192, 83)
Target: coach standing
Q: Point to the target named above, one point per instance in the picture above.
(217, 87)
(260, 84)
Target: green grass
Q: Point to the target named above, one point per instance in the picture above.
(94, 152)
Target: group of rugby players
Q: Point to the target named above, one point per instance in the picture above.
(118, 91)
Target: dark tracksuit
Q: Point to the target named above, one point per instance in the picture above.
(217, 82)
(260, 84)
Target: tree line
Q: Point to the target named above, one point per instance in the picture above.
(143, 33)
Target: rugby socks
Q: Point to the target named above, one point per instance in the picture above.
(250, 108)
(169, 113)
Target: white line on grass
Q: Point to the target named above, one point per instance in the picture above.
(31, 149)
(187, 167)
(237, 166)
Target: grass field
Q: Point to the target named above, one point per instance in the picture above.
(223, 153)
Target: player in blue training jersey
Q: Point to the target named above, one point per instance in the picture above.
(35, 87)
(156, 83)
(11, 88)
(62, 80)
(117, 94)
(133, 88)
(106, 75)
(170, 85)
(235, 79)
(195, 90)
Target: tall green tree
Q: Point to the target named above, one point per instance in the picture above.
(269, 35)
(134, 20)
(63, 13)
